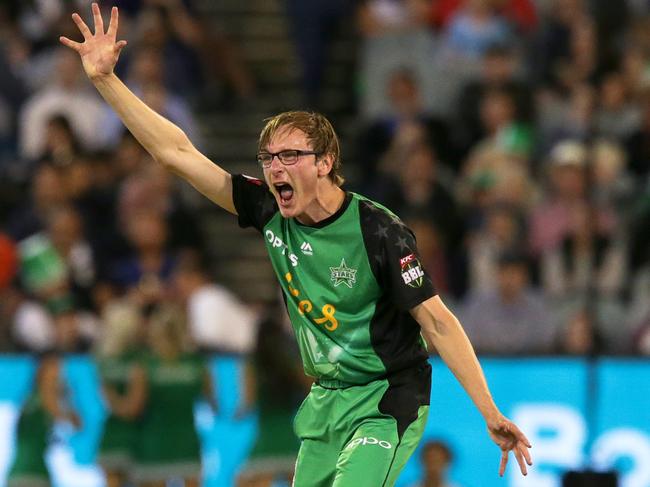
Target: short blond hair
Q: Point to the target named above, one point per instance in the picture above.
(319, 131)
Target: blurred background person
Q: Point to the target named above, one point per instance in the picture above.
(46, 403)
(167, 445)
(436, 459)
(395, 34)
(67, 96)
(119, 354)
(280, 386)
(512, 318)
(218, 322)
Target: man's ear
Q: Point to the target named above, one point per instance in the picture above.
(325, 164)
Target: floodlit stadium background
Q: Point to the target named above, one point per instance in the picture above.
(524, 141)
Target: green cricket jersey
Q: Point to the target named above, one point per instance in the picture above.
(348, 282)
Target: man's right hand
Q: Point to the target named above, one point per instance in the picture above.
(99, 51)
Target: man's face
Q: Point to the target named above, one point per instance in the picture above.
(293, 186)
(512, 280)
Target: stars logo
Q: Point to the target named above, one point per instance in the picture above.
(343, 275)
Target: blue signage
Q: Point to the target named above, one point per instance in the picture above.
(576, 413)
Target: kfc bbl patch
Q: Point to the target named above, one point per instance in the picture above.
(412, 272)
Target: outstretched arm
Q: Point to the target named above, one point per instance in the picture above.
(442, 329)
(166, 143)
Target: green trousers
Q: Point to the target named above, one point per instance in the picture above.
(349, 438)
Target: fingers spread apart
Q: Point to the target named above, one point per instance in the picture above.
(70, 43)
(83, 28)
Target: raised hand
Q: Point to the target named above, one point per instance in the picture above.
(99, 51)
(508, 437)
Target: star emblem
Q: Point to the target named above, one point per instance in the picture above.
(396, 221)
(382, 232)
(343, 275)
(401, 243)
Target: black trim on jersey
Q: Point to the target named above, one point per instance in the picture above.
(388, 241)
(394, 333)
(333, 217)
(407, 391)
(253, 201)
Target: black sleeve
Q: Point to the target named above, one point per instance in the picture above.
(394, 257)
(253, 201)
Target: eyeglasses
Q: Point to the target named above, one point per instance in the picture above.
(286, 157)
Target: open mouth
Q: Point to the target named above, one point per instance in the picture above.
(285, 191)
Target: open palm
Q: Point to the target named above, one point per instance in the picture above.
(99, 51)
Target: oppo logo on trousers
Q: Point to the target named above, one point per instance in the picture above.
(368, 440)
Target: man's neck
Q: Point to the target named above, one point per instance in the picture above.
(325, 204)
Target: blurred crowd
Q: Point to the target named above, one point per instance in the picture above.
(512, 136)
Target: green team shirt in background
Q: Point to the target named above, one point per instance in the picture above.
(166, 430)
(32, 434)
(348, 281)
(119, 433)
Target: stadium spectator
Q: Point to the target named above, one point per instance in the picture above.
(578, 336)
(550, 218)
(493, 177)
(67, 96)
(119, 352)
(611, 182)
(389, 29)
(152, 189)
(503, 229)
(617, 116)
(586, 259)
(167, 445)
(218, 322)
(424, 188)
(47, 191)
(32, 326)
(76, 330)
(45, 404)
(566, 116)
(280, 385)
(146, 77)
(475, 27)
(436, 458)
(198, 54)
(65, 231)
(566, 22)
(501, 127)
(392, 135)
(146, 271)
(513, 318)
(61, 144)
(500, 70)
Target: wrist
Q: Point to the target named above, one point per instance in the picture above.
(491, 414)
(98, 78)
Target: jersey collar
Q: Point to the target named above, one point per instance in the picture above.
(333, 217)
